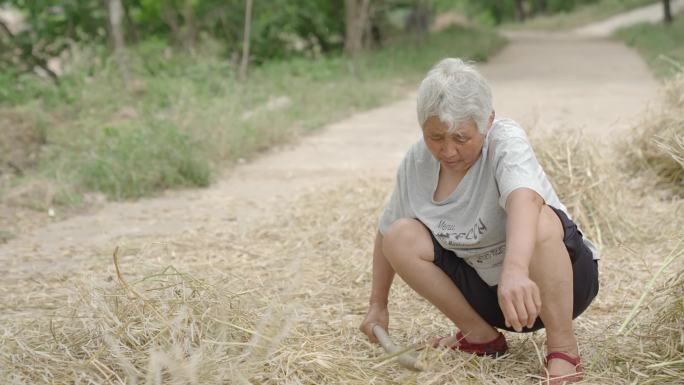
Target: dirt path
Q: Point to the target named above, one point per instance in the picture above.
(546, 81)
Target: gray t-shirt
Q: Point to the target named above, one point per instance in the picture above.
(471, 222)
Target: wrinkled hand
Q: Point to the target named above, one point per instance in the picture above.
(377, 314)
(519, 299)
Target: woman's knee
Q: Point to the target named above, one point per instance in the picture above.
(407, 237)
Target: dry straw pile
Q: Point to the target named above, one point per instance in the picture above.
(277, 303)
(583, 183)
(280, 301)
(659, 332)
(658, 142)
(654, 328)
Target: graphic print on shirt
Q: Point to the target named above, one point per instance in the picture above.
(492, 258)
(451, 236)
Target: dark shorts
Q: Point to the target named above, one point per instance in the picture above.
(483, 298)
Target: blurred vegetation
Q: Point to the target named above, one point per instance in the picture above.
(582, 13)
(544, 14)
(280, 28)
(662, 45)
(188, 113)
(181, 113)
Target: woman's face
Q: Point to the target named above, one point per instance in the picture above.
(455, 151)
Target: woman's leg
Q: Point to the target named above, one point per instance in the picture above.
(551, 269)
(408, 247)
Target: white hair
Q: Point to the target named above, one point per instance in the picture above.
(454, 92)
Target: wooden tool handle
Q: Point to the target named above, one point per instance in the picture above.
(406, 359)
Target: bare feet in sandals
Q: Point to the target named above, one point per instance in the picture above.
(492, 346)
(563, 368)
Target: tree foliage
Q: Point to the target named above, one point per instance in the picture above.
(279, 29)
(497, 11)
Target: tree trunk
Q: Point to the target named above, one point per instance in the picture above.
(366, 33)
(542, 6)
(667, 12)
(520, 10)
(418, 21)
(170, 17)
(115, 15)
(190, 35)
(131, 28)
(244, 63)
(356, 18)
(350, 41)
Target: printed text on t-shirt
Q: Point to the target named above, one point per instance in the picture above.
(454, 237)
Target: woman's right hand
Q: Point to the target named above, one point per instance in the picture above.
(377, 314)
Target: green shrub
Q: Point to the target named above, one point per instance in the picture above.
(661, 45)
(133, 160)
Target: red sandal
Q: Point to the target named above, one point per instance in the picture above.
(494, 348)
(568, 378)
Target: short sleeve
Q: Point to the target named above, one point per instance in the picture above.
(517, 167)
(398, 205)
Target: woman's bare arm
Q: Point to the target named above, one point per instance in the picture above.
(519, 296)
(383, 274)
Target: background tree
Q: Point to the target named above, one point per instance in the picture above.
(279, 29)
(115, 11)
(667, 10)
(541, 6)
(420, 17)
(356, 18)
(244, 63)
(519, 10)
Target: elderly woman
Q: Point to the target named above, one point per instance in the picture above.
(474, 226)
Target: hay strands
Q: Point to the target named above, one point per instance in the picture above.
(405, 356)
(676, 253)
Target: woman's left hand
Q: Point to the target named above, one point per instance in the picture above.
(519, 299)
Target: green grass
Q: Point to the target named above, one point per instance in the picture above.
(661, 45)
(582, 15)
(121, 160)
(184, 117)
